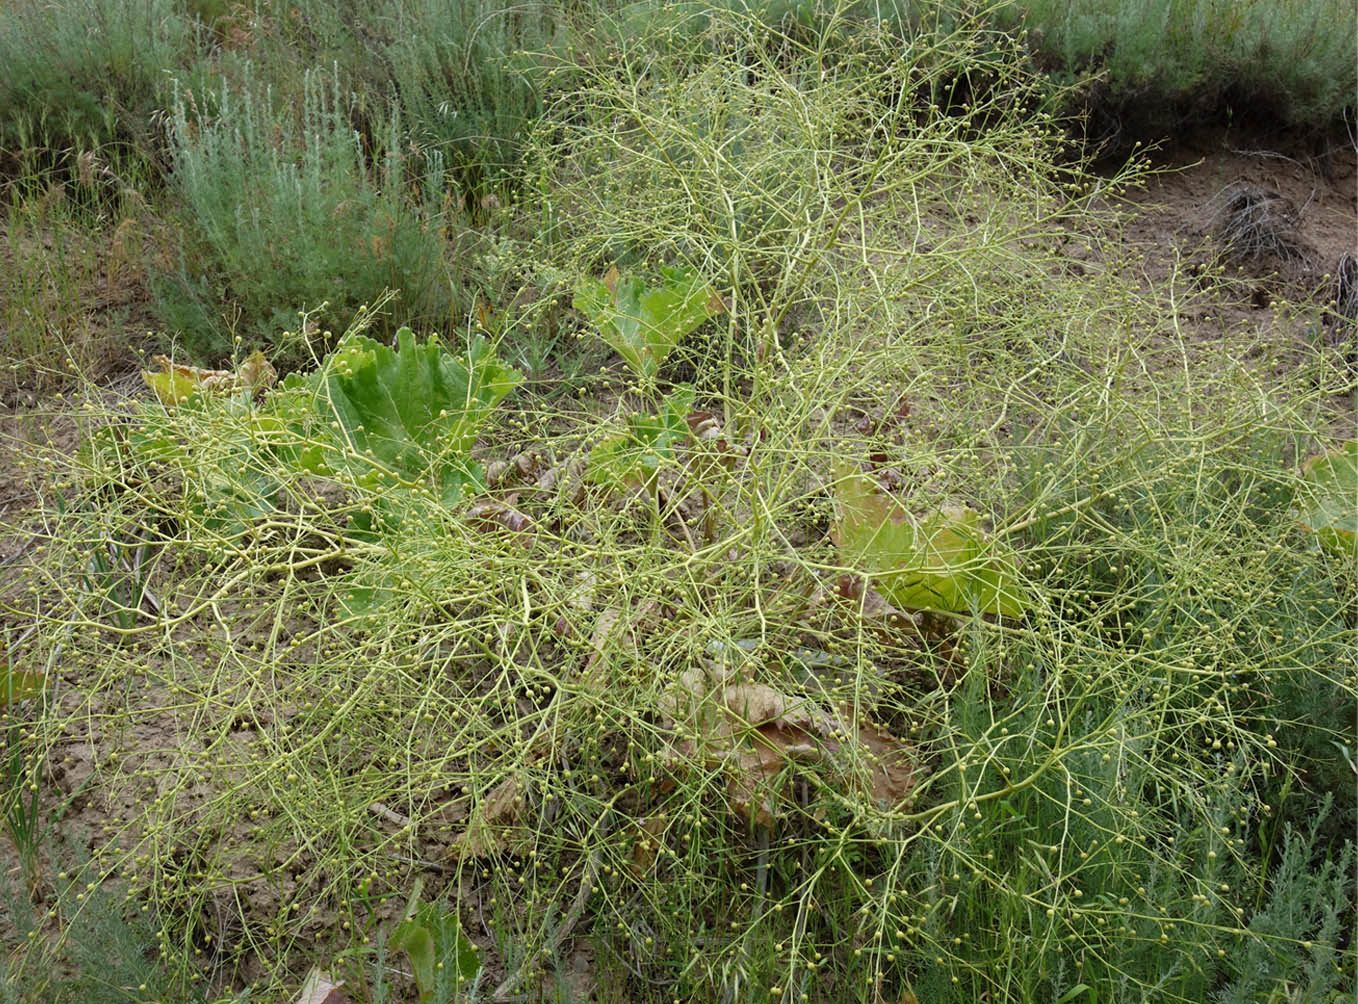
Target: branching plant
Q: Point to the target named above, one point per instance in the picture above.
(972, 649)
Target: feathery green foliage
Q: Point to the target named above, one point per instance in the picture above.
(463, 72)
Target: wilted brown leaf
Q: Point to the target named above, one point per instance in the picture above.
(255, 373)
(318, 989)
(874, 608)
(614, 627)
(650, 830)
(176, 383)
(491, 829)
(755, 733)
(703, 426)
(517, 470)
(491, 513)
(891, 770)
(884, 421)
(906, 997)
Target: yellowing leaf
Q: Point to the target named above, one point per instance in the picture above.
(18, 685)
(1332, 514)
(176, 383)
(941, 561)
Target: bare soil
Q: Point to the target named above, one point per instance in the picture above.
(1277, 218)
(1184, 211)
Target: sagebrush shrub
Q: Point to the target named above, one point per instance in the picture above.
(1169, 57)
(463, 73)
(286, 211)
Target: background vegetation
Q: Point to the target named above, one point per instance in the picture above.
(372, 146)
(490, 639)
(1173, 63)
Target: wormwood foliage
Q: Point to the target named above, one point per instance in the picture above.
(1159, 55)
(283, 207)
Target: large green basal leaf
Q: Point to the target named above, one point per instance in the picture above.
(406, 415)
(643, 324)
(1332, 514)
(942, 561)
(227, 487)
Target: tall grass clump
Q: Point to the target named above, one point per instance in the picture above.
(286, 210)
(85, 74)
(465, 74)
(667, 721)
(69, 290)
(1174, 58)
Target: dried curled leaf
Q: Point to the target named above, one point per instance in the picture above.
(616, 628)
(491, 829)
(648, 836)
(176, 383)
(319, 989)
(755, 733)
(874, 610)
(520, 469)
(490, 513)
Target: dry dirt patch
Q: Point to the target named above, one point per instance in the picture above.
(1279, 217)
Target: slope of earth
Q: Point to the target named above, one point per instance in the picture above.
(1260, 223)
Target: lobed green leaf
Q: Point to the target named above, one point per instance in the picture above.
(644, 324)
(1333, 511)
(941, 562)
